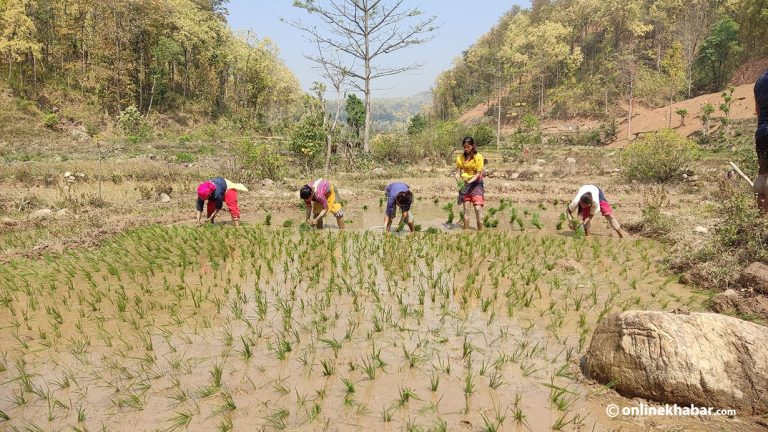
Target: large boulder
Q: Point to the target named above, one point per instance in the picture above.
(755, 276)
(705, 359)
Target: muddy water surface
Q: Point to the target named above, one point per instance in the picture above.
(279, 329)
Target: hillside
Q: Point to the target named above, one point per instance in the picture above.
(648, 120)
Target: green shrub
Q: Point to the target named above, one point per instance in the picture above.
(185, 157)
(259, 161)
(183, 139)
(307, 140)
(658, 157)
(483, 134)
(435, 142)
(51, 120)
(391, 148)
(653, 223)
(133, 126)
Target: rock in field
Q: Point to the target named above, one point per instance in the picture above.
(731, 302)
(705, 359)
(41, 214)
(164, 198)
(755, 276)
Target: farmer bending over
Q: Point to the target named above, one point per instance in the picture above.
(217, 192)
(584, 203)
(320, 198)
(398, 195)
(761, 142)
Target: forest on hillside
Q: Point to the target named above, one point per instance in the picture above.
(152, 56)
(567, 58)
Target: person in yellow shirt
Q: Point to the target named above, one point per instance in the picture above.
(469, 175)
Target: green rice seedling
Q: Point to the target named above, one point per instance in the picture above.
(4, 416)
(81, 415)
(520, 224)
(494, 424)
(228, 404)
(277, 419)
(182, 419)
(386, 414)
(411, 426)
(495, 379)
(287, 223)
(314, 412)
(406, 394)
(440, 425)
(561, 221)
(225, 425)
(434, 381)
(349, 386)
(328, 367)
(365, 207)
(536, 220)
(561, 422)
(449, 210)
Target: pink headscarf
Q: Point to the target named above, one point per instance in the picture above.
(205, 190)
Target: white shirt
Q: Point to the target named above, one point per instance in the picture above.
(574, 205)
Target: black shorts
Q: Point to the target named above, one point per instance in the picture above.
(761, 147)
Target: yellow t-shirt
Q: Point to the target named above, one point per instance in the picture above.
(469, 168)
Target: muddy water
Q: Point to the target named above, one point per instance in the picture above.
(277, 329)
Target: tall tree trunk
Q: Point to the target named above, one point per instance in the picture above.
(367, 133)
(498, 121)
(629, 114)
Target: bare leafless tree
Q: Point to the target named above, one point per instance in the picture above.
(360, 31)
(338, 80)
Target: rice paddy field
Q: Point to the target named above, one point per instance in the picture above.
(272, 328)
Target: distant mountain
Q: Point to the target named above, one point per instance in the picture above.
(388, 113)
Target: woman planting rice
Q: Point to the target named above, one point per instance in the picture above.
(217, 192)
(398, 195)
(586, 203)
(320, 198)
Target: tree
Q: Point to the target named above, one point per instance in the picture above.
(17, 36)
(416, 124)
(706, 116)
(725, 107)
(355, 114)
(682, 112)
(362, 31)
(719, 54)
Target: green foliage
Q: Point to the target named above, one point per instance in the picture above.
(658, 157)
(437, 141)
(417, 124)
(355, 109)
(706, 116)
(719, 54)
(185, 157)
(683, 113)
(307, 139)
(259, 161)
(653, 223)
(483, 134)
(132, 124)
(51, 121)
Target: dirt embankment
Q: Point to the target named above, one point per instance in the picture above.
(649, 120)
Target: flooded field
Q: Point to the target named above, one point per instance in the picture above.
(269, 328)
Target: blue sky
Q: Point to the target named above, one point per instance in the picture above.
(461, 24)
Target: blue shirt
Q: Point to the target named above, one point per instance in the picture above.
(217, 196)
(392, 190)
(761, 99)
